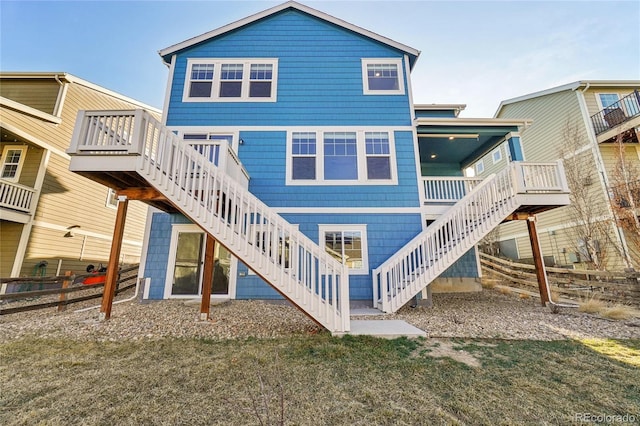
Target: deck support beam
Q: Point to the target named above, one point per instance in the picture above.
(114, 257)
(207, 276)
(538, 260)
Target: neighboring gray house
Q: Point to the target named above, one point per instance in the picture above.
(581, 123)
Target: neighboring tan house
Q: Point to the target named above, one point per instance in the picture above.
(291, 150)
(53, 220)
(588, 124)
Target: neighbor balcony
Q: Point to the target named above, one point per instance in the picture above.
(15, 201)
(623, 111)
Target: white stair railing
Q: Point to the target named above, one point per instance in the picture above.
(220, 204)
(424, 258)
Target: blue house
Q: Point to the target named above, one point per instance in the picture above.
(291, 162)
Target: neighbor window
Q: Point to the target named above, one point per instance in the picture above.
(338, 158)
(496, 155)
(112, 199)
(12, 160)
(382, 76)
(348, 245)
(231, 80)
(608, 99)
(479, 167)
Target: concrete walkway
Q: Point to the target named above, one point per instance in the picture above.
(388, 329)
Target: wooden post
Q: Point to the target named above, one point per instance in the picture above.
(538, 260)
(63, 296)
(114, 256)
(207, 277)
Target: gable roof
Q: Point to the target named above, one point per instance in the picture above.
(167, 52)
(70, 78)
(570, 86)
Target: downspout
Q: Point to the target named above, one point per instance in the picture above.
(135, 294)
(61, 95)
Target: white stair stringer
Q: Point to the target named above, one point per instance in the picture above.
(442, 243)
(294, 265)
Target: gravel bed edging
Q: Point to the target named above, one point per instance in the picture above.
(487, 314)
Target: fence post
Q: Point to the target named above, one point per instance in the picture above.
(63, 296)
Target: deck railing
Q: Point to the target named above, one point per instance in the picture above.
(617, 113)
(138, 133)
(447, 189)
(15, 196)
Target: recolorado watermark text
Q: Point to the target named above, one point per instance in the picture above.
(606, 418)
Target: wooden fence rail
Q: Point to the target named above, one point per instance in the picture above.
(621, 287)
(126, 281)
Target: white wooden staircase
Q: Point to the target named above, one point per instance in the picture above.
(525, 187)
(207, 184)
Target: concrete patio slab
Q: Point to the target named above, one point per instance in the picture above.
(388, 329)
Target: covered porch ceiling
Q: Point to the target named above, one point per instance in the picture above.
(462, 141)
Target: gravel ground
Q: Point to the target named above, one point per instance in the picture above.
(488, 314)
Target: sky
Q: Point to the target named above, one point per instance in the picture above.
(477, 53)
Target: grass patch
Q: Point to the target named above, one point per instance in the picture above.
(318, 379)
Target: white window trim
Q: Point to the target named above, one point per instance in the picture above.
(361, 161)
(479, 167)
(246, 74)
(23, 155)
(493, 155)
(362, 228)
(382, 61)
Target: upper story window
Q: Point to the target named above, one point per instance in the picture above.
(378, 155)
(201, 81)
(608, 99)
(12, 161)
(341, 158)
(231, 80)
(382, 76)
(479, 167)
(303, 156)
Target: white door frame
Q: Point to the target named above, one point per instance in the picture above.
(173, 246)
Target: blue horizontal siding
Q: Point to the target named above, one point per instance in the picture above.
(466, 266)
(263, 154)
(386, 233)
(319, 81)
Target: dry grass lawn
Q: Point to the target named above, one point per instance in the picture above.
(316, 380)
